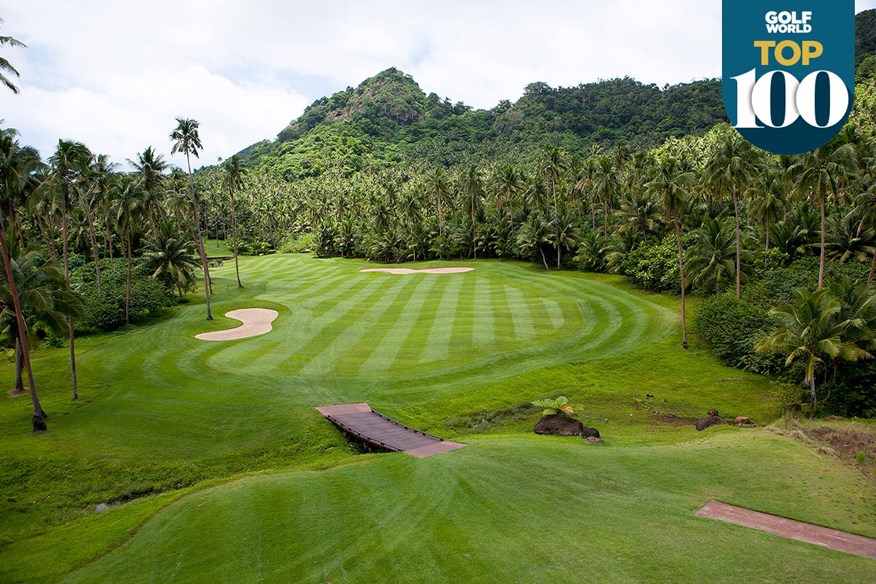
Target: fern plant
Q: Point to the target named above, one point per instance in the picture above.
(556, 406)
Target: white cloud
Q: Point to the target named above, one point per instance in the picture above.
(114, 74)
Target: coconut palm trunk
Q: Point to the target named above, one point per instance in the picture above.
(738, 248)
(39, 415)
(823, 243)
(70, 334)
(681, 273)
(234, 234)
(94, 251)
(19, 369)
(128, 279)
(201, 251)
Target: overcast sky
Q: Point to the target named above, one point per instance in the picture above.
(115, 73)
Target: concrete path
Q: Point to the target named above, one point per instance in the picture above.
(792, 529)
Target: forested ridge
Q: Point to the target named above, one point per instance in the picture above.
(388, 119)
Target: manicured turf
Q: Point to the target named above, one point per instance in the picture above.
(161, 410)
(506, 511)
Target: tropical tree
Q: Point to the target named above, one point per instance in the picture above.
(94, 196)
(811, 329)
(820, 174)
(45, 301)
(169, 257)
(16, 167)
(5, 65)
(729, 169)
(150, 167)
(437, 186)
(670, 185)
(234, 175)
(130, 214)
(563, 233)
(69, 166)
(711, 258)
(187, 140)
(473, 189)
(533, 234)
(551, 166)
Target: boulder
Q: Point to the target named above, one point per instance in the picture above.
(101, 507)
(588, 432)
(595, 440)
(712, 413)
(558, 425)
(703, 423)
(741, 420)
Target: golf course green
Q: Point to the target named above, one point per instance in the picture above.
(217, 467)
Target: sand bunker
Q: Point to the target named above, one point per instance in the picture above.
(256, 321)
(423, 271)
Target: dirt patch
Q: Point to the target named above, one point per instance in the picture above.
(849, 444)
(486, 420)
(256, 321)
(399, 271)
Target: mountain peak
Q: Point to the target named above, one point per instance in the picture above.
(391, 96)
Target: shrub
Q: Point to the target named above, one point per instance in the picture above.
(655, 266)
(254, 247)
(852, 392)
(555, 406)
(105, 308)
(300, 243)
(731, 327)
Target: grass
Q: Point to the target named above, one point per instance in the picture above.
(162, 412)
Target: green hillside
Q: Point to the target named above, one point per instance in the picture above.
(388, 119)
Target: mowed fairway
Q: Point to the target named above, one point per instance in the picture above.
(162, 410)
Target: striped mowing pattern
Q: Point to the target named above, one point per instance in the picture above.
(339, 323)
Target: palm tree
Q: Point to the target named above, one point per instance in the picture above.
(670, 184)
(437, 185)
(234, 174)
(811, 328)
(506, 185)
(168, 256)
(6, 66)
(43, 295)
(821, 174)
(711, 257)
(69, 167)
(95, 197)
(472, 187)
(130, 213)
(16, 166)
(150, 167)
(533, 234)
(563, 233)
(767, 197)
(605, 185)
(187, 140)
(551, 166)
(640, 214)
(731, 165)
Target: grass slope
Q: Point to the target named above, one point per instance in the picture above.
(506, 511)
(162, 410)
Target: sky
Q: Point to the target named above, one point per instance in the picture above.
(114, 74)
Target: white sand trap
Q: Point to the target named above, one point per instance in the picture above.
(423, 271)
(256, 321)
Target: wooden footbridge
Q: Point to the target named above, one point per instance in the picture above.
(363, 423)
